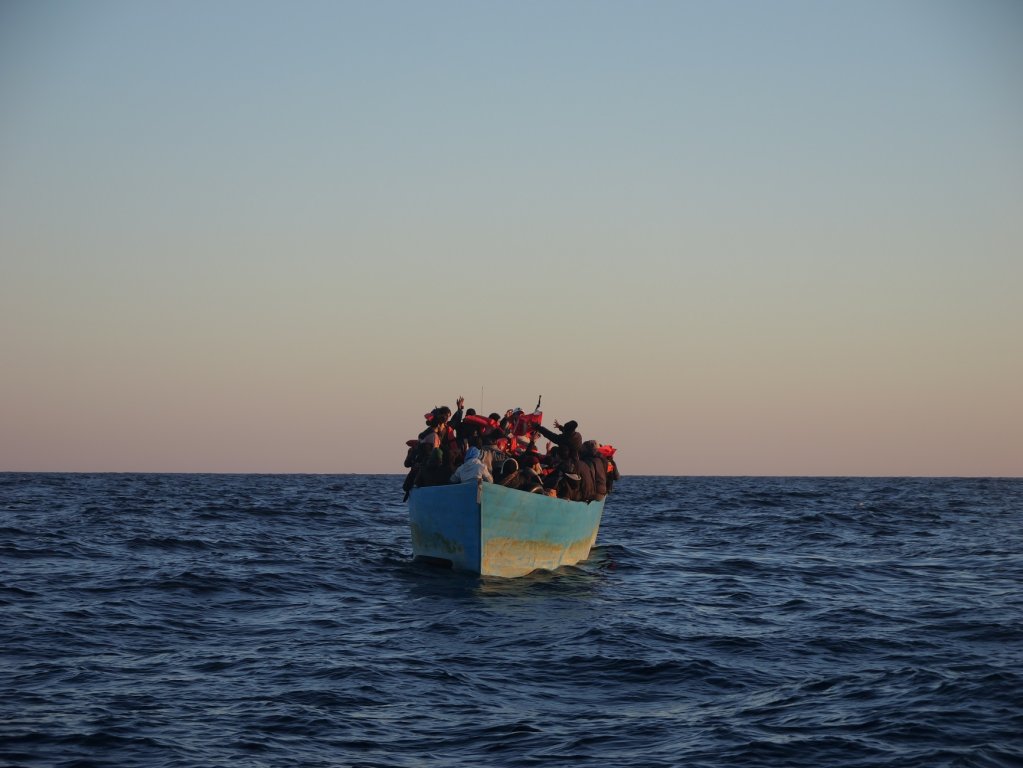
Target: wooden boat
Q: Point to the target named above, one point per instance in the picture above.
(498, 531)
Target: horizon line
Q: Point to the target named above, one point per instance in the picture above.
(400, 474)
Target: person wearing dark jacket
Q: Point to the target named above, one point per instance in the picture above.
(466, 432)
(586, 490)
(455, 419)
(569, 442)
(510, 477)
(430, 460)
(591, 455)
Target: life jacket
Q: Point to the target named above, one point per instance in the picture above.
(524, 423)
(506, 445)
(484, 424)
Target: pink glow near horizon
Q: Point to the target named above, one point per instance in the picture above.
(736, 246)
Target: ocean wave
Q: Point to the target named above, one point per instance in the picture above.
(180, 620)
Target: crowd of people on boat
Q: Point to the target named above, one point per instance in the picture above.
(463, 446)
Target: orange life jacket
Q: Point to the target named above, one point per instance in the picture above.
(486, 425)
(525, 423)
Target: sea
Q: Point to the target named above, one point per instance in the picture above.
(192, 620)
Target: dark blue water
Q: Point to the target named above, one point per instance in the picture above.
(212, 620)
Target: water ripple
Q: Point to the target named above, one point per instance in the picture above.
(183, 620)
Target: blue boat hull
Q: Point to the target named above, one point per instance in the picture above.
(497, 531)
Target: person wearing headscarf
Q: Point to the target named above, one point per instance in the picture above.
(472, 469)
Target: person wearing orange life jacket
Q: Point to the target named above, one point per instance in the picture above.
(613, 475)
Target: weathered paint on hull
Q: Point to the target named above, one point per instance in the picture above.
(445, 524)
(497, 531)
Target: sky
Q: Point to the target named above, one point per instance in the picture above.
(729, 238)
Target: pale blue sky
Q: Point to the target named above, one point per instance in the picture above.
(731, 238)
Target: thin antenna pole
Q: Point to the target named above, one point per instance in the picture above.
(482, 409)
